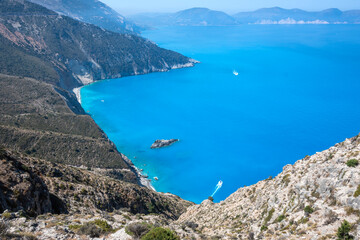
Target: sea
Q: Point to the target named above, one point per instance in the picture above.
(262, 97)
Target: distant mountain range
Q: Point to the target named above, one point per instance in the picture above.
(276, 15)
(279, 15)
(91, 11)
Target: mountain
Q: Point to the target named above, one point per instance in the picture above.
(202, 17)
(73, 53)
(189, 17)
(43, 56)
(91, 11)
(276, 14)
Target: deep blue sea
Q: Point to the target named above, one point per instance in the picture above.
(296, 93)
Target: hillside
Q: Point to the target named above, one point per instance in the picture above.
(39, 187)
(275, 15)
(79, 53)
(308, 200)
(94, 12)
(202, 17)
(188, 17)
(35, 119)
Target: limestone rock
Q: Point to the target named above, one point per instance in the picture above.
(163, 143)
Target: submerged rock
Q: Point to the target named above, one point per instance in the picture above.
(163, 143)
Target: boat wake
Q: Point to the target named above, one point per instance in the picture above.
(218, 186)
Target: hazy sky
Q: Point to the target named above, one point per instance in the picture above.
(126, 7)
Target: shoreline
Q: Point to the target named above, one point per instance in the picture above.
(76, 91)
(142, 180)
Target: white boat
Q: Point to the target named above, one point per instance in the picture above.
(156, 178)
(235, 73)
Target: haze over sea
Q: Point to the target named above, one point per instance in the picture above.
(297, 93)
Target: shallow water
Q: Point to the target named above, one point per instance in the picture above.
(296, 94)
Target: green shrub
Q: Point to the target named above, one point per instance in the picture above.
(74, 227)
(343, 232)
(137, 230)
(308, 210)
(94, 228)
(7, 215)
(159, 233)
(357, 192)
(90, 229)
(352, 163)
(150, 207)
(286, 179)
(83, 191)
(280, 218)
(263, 228)
(3, 229)
(269, 216)
(103, 225)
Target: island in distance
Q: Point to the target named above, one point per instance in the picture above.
(163, 143)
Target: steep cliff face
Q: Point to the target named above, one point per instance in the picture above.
(79, 53)
(21, 189)
(93, 11)
(308, 200)
(39, 187)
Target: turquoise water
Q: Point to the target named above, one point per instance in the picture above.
(297, 92)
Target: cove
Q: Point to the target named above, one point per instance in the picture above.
(296, 93)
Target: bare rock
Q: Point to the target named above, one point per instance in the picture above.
(163, 143)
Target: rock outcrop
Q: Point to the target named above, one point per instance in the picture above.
(21, 188)
(163, 143)
(37, 187)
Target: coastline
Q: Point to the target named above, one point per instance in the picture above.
(142, 180)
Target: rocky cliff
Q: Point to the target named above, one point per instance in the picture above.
(37, 187)
(94, 12)
(308, 200)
